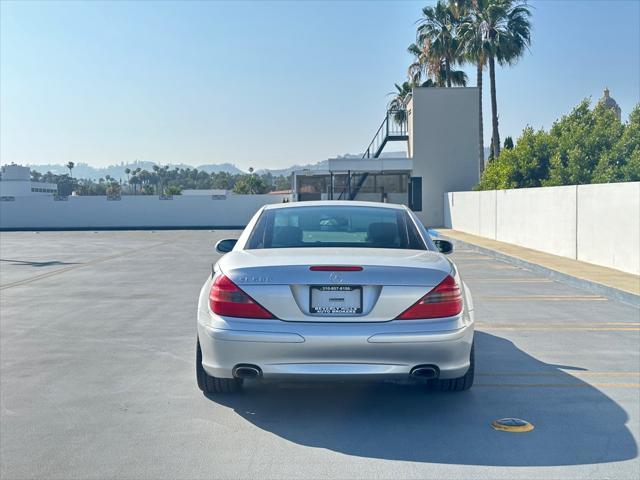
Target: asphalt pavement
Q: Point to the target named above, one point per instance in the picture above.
(97, 348)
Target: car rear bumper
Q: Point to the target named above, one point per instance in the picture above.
(288, 350)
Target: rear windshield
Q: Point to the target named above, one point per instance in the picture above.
(339, 226)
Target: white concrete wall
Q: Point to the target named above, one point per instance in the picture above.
(463, 213)
(609, 225)
(487, 207)
(598, 224)
(540, 218)
(39, 212)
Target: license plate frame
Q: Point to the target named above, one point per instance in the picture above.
(337, 311)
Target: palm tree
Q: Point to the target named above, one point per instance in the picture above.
(471, 33)
(156, 169)
(431, 66)
(505, 33)
(70, 166)
(128, 172)
(436, 33)
(135, 181)
(398, 103)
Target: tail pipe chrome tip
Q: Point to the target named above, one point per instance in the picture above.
(247, 371)
(425, 372)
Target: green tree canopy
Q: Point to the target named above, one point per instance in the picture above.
(163, 180)
(586, 146)
(250, 184)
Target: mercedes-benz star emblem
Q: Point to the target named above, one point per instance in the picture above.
(335, 277)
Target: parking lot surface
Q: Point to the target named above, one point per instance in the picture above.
(97, 378)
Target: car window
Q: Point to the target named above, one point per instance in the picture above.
(339, 226)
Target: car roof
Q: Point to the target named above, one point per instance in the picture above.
(334, 203)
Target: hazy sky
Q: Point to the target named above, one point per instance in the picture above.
(265, 84)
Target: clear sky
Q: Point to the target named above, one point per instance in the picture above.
(265, 84)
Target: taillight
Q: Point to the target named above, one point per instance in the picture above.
(227, 299)
(443, 301)
(335, 268)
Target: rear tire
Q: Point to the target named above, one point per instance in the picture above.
(209, 384)
(459, 384)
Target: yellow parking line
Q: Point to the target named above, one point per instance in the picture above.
(618, 323)
(507, 280)
(561, 373)
(557, 385)
(566, 324)
(490, 267)
(563, 329)
(545, 298)
(473, 257)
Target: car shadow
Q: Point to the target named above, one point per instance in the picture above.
(575, 423)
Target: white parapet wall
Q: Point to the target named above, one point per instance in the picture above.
(39, 213)
(599, 224)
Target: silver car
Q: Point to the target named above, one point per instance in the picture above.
(334, 291)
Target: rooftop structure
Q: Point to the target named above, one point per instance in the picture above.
(440, 128)
(15, 181)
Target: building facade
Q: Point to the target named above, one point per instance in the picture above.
(441, 132)
(15, 181)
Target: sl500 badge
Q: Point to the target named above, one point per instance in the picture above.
(255, 279)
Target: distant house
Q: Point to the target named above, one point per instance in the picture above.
(15, 181)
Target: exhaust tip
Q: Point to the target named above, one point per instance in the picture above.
(247, 371)
(425, 372)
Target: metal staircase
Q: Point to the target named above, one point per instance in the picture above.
(392, 129)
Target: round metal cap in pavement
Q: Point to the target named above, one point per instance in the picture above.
(512, 425)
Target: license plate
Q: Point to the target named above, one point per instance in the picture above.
(335, 299)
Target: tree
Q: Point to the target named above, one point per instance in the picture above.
(249, 185)
(113, 188)
(282, 182)
(622, 162)
(36, 176)
(585, 146)
(135, 181)
(431, 67)
(398, 103)
(65, 185)
(471, 31)
(508, 143)
(436, 35)
(70, 166)
(506, 33)
(583, 139)
(223, 181)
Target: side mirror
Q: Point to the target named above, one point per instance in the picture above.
(226, 245)
(443, 246)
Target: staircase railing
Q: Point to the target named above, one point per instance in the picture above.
(393, 127)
